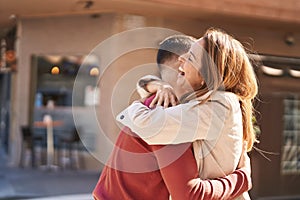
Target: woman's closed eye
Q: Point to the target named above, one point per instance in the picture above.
(185, 57)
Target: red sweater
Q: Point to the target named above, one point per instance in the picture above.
(137, 171)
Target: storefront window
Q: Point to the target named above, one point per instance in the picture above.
(55, 95)
(280, 76)
(291, 136)
(56, 76)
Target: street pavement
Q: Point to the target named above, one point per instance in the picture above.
(67, 197)
(18, 183)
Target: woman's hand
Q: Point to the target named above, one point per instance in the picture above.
(165, 96)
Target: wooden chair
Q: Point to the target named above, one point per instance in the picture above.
(30, 140)
(70, 142)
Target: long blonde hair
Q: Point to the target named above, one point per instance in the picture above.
(235, 74)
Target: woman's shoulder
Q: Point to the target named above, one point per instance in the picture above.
(228, 98)
(224, 95)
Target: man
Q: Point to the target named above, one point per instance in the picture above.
(137, 170)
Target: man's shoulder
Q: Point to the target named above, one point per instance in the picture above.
(148, 101)
(129, 141)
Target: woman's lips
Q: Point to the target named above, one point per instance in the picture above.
(181, 72)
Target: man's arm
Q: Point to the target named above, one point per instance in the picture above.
(181, 177)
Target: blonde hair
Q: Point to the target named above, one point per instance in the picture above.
(226, 66)
(238, 76)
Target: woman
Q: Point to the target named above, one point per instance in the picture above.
(219, 85)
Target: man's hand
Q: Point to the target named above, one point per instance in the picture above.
(245, 164)
(245, 160)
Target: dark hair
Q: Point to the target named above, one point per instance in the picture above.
(175, 45)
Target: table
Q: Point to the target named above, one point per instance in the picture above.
(49, 124)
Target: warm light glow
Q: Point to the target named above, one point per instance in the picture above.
(55, 70)
(272, 71)
(94, 71)
(54, 59)
(295, 73)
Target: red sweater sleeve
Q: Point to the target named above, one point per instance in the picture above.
(181, 177)
(228, 187)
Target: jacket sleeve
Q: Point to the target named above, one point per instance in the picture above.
(180, 175)
(174, 125)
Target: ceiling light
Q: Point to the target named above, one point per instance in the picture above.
(94, 71)
(272, 71)
(295, 73)
(55, 70)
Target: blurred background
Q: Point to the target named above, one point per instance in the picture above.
(44, 43)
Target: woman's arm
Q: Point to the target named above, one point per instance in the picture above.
(174, 125)
(181, 177)
(157, 126)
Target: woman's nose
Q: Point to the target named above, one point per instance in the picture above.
(180, 68)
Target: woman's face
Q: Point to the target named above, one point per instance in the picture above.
(189, 77)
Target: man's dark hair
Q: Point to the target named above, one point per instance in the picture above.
(175, 45)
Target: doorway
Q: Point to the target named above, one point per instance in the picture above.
(4, 115)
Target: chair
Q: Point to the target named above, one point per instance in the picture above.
(30, 139)
(71, 144)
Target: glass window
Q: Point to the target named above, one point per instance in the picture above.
(291, 136)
